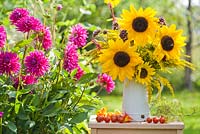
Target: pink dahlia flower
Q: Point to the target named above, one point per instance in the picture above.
(15, 81)
(29, 23)
(59, 7)
(36, 63)
(79, 73)
(1, 114)
(29, 79)
(17, 14)
(2, 36)
(78, 35)
(106, 81)
(9, 63)
(45, 38)
(70, 58)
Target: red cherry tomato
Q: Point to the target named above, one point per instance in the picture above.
(149, 120)
(121, 119)
(155, 120)
(162, 120)
(107, 119)
(99, 118)
(113, 118)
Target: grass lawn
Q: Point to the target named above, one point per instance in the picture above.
(188, 100)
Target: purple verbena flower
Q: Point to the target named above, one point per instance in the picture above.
(1, 114)
(79, 73)
(78, 35)
(45, 38)
(29, 79)
(17, 14)
(70, 57)
(106, 81)
(9, 63)
(28, 23)
(36, 63)
(2, 36)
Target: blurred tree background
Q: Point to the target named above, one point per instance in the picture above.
(95, 14)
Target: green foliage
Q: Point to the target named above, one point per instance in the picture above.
(58, 103)
(46, 110)
(169, 108)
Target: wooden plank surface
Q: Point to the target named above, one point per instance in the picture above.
(131, 131)
(136, 125)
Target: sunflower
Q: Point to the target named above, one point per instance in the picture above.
(114, 3)
(145, 74)
(141, 25)
(119, 60)
(170, 43)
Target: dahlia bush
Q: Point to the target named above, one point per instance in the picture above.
(45, 83)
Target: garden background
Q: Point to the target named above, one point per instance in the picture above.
(95, 14)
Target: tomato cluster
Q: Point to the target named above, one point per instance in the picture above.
(155, 120)
(121, 118)
(102, 115)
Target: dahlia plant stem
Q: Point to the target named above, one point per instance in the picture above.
(0, 125)
(99, 91)
(22, 63)
(79, 98)
(59, 69)
(54, 15)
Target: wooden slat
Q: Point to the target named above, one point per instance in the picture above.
(135, 128)
(137, 125)
(131, 131)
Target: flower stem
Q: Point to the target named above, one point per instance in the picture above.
(0, 125)
(22, 63)
(112, 12)
(98, 92)
(59, 69)
(79, 98)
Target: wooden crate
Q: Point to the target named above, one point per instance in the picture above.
(135, 128)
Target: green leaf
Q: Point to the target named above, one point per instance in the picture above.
(87, 107)
(60, 95)
(32, 108)
(79, 117)
(68, 129)
(12, 126)
(35, 100)
(12, 94)
(23, 91)
(17, 106)
(23, 43)
(84, 11)
(52, 109)
(57, 53)
(73, 73)
(22, 114)
(87, 78)
(30, 124)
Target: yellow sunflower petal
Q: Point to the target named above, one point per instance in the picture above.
(132, 20)
(119, 60)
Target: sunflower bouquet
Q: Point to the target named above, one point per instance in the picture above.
(139, 47)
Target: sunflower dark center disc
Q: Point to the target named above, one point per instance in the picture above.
(140, 24)
(167, 43)
(143, 73)
(121, 59)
